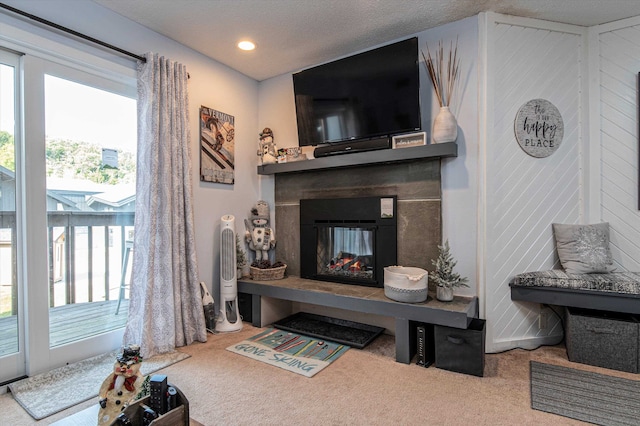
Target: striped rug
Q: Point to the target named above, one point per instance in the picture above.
(584, 395)
(290, 351)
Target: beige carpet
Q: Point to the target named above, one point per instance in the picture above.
(360, 388)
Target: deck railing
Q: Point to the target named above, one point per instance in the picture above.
(85, 249)
(109, 223)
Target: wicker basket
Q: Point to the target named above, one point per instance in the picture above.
(268, 274)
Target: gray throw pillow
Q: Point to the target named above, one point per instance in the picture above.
(584, 249)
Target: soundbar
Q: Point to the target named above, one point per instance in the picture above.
(352, 146)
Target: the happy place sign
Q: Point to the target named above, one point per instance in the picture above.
(539, 128)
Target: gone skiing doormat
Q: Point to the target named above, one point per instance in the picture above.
(290, 351)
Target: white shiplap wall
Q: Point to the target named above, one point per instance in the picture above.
(614, 65)
(522, 195)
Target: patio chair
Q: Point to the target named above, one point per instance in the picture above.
(128, 246)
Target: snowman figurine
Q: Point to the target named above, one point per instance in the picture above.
(260, 237)
(122, 386)
(268, 151)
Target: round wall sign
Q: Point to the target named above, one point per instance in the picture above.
(539, 128)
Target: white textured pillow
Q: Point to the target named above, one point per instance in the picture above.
(584, 249)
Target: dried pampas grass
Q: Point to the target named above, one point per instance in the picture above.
(443, 75)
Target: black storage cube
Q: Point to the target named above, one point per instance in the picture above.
(603, 339)
(461, 350)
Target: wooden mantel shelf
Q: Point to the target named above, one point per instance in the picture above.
(441, 150)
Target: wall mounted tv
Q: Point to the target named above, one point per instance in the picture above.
(370, 95)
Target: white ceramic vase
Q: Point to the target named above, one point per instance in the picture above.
(444, 294)
(445, 126)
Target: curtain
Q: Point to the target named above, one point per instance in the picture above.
(165, 309)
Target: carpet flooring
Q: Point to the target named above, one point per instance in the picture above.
(46, 394)
(363, 387)
(585, 395)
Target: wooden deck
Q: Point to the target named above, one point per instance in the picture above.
(70, 322)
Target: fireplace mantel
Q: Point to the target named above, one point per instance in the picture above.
(441, 150)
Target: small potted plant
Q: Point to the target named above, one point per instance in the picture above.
(241, 258)
(443, 275)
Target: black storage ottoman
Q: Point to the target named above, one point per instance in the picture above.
(461, 350)
(603, 339)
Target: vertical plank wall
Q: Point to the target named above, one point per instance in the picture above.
(615, 63)
(523, 195)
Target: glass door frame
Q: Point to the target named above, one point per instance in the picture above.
(35, 354)
(45, 356)
(43, 51)
(14, 365)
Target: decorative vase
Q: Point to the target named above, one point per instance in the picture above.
(444, 294)
(445, 126)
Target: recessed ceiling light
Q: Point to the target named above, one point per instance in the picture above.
(246, 45)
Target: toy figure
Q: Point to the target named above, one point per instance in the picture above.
(268, 151)
(258, 235)
(122, 386)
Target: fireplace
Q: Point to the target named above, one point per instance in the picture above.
(348, 240)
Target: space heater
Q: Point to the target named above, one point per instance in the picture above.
(229, 318)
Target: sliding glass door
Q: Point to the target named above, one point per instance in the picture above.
(67, 200)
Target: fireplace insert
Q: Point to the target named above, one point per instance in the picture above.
(348, 240)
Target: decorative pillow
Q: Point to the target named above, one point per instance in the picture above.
(584, 249)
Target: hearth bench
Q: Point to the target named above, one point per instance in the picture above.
(601, 313)
(612, 292)
(371, 300)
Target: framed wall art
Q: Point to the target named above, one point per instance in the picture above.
(217, 143)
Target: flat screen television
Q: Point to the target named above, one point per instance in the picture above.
(368, 95)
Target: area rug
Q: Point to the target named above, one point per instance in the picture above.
(48, 393)
(290, 351)
(584, 395)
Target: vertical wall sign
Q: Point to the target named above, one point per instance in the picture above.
(216, 146)
(539, 128)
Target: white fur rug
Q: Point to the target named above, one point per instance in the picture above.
(45, 394)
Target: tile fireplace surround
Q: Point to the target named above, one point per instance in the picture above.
(416, 184)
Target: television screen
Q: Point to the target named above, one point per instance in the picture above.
(371, 94)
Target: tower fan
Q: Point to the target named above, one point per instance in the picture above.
(229, 319)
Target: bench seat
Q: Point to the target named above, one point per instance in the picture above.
(613, 291)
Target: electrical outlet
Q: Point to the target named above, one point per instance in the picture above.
(543, 318)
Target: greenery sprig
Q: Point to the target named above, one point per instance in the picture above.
(443, 275)
(241, 255)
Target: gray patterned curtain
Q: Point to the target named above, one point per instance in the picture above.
(165, 310)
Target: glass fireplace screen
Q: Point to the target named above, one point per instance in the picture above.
(346, 252)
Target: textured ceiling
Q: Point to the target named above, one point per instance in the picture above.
(294, 34)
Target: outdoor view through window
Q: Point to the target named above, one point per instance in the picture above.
(90, 168)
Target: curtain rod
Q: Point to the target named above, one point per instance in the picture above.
(73, 32)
